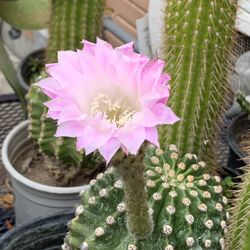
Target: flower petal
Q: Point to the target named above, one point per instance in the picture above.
(109, 149)
(152, 136)
(132, 139)
(70, 129)
(93, 139)
(165, 114)
(50, 87)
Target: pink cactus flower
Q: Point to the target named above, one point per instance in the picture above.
(108, 98)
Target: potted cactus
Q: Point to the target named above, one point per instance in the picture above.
(161, 198)
(238, 136)
(151, 197)
(147, 188)
(70, 21)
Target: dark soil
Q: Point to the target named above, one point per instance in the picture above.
(34, 166)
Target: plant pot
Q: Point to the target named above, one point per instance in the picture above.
(236, 156)
(33, 199)
(38, 234)
(30, 67)
(26, 14)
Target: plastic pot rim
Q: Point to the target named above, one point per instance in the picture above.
(25, 181)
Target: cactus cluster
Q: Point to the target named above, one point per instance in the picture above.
(186, 205)
(71, 21)
(198, 39)
(244, 102)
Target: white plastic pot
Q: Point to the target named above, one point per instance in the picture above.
(33, 199)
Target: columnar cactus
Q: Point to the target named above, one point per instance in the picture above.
(186, 205)
(71, 21)
(198, 38)
(239, 229)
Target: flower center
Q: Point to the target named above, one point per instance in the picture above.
(118, 111)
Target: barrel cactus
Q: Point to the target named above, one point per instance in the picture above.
(198, 39)
(71, 21)
(185, 203)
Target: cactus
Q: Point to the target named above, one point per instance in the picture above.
(198, 38)
(244, 102)
(186, 205)
(239, 224)
(70, 22)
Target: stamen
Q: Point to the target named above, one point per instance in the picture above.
(117, 111)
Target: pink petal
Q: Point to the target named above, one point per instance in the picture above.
(71, 113)
(58, 103)
(165, 114)
(146, 118)
(49, 86)
(132, 139)
(53, 114)
(126, 49)
(161, 94)
(152, 136)
(70, 129)
(109, 149)
(92, 139)
(68, 59)
(89, 47)
(150, 76)
(164, 78)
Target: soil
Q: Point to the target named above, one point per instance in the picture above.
(32, 164)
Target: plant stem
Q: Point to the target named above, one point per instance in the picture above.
(139, 221)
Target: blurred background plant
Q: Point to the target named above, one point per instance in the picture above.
(244, 102)
(22, 14)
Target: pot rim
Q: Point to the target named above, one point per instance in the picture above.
(15, 232)
(25, 181)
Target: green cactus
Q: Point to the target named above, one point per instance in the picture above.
(198, 38)
(244, 102)
(186, 205)
(238, 236)
(71, 21)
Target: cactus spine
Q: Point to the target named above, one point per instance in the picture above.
(239, 228)
(198, 38)
(71, 21)
(186, 205)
